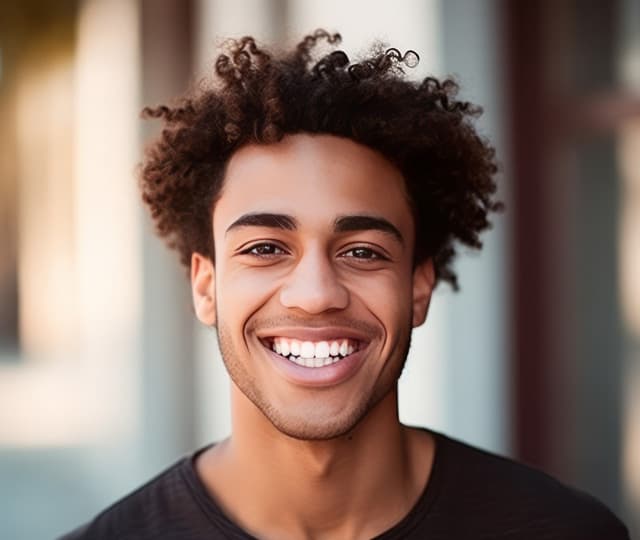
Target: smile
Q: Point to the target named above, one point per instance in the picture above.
(313, 354)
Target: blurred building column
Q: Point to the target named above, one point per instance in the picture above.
(541, 243)
(106, 217)
(568, 107)
(629, 254)
(167, 375)
(478, 369)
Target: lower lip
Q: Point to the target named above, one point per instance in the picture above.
(328, 375)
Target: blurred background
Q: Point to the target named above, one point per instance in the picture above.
(105, 376)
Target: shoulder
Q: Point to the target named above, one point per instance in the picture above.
(150, 511)
(500, 492)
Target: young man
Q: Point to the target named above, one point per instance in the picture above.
(317, 204)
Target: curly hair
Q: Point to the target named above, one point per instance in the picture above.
(259, 97)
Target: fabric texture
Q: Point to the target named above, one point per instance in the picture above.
(471, 494)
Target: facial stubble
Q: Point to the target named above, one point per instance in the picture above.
(329, 428)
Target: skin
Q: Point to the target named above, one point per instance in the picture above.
(310, 454)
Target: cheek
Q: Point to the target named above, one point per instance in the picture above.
(243, 290)
(387, 295)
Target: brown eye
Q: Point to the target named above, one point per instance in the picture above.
(363, 254)
(264, 250)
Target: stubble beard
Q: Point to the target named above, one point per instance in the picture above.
(330, 428)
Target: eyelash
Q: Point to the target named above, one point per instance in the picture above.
(373, 254)
(276, 250)
(251, 250)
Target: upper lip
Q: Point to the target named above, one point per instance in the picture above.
(328, 333)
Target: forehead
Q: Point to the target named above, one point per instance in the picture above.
(314, 178)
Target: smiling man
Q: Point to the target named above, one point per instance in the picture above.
(317, 203)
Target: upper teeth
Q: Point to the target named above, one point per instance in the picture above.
(310, 349)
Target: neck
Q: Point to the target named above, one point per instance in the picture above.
(277, 486)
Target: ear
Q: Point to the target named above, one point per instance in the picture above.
(203, 288)
(424, 280)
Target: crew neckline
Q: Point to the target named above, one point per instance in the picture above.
(216, 515)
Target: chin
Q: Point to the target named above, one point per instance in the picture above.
(318, 431)
(329, 426)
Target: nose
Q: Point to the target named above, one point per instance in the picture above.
(313, 285)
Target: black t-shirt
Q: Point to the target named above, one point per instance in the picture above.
(471, 494)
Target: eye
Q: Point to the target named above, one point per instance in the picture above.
(264, 249)
(364, 254)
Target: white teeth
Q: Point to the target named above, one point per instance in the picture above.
(307, 349)
(310, 354)
(322, 350)
(297, 360)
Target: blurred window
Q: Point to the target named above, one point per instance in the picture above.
(36, 162)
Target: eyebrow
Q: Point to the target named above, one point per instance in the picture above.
(342, 224)
(367, 223)
(271, 221)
